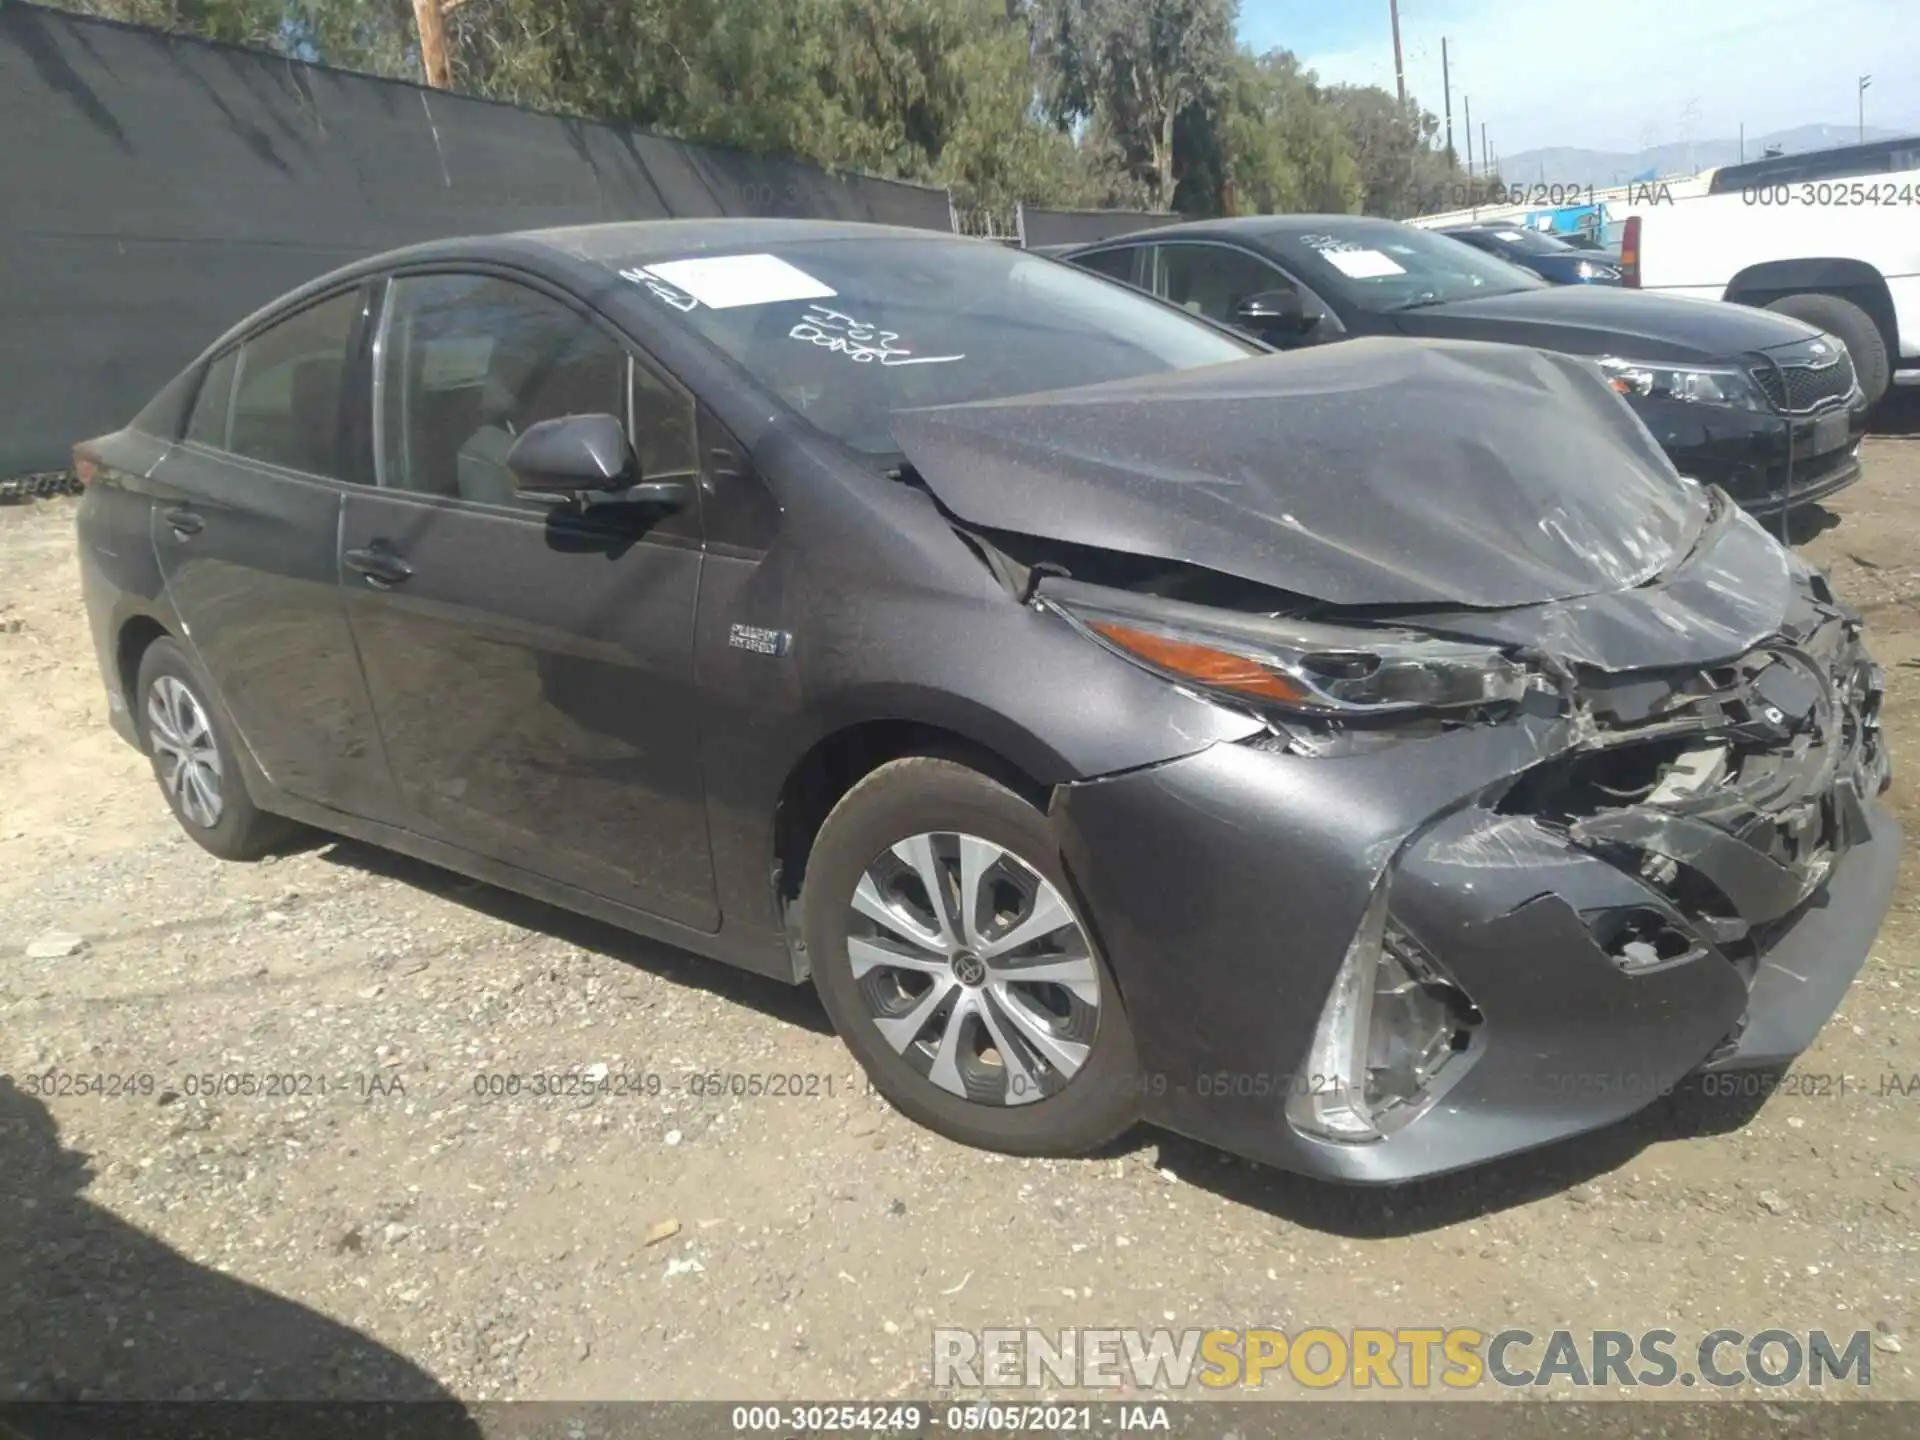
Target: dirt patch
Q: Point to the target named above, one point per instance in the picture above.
(372, 1202)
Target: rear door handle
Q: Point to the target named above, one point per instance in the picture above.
(379, 564)
(184, 522)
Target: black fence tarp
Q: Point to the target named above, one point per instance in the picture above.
(1083, 227)
(154, 189)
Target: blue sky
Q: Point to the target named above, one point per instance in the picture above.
(1619, 74)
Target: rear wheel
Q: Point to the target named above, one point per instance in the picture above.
(1853, 327)
(195, 759)
(947, 948)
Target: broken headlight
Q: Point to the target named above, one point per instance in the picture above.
(1299, 666)
(1390, 1026)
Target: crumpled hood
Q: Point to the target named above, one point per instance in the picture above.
(1372, 472)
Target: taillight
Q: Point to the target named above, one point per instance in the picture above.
(1630, 253)
(86, 465)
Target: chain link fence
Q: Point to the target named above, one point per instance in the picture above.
(38, 487)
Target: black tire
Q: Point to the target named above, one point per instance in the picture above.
(1853, 327)
(241, 831)
(922, 794)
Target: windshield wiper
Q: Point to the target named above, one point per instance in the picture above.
(1422, 302)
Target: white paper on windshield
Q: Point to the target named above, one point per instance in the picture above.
(1509, 235)
(724, 282)
(1363, 264)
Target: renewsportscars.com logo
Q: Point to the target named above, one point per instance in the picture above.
(1458, 1358)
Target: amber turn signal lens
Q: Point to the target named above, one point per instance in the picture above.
(1217, 669)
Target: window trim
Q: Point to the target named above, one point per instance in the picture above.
(635, 353)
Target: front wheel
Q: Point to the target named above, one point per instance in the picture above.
(948, 951)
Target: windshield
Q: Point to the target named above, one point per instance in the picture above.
(1533, 242)
(848, 331)
(1381, 266)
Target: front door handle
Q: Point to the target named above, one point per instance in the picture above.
(379, 564)
(184, 522)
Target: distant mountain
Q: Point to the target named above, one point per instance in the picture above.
(1564, 165)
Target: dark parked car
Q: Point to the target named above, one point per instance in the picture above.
(1722, 387)
(1372, 760)
(1548, 257)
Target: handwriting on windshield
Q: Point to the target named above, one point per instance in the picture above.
(679, 299)
(859, 342)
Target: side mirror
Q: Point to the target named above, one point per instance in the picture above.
(1274, 310)
(574, 456)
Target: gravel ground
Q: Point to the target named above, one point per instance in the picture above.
(384, 1230)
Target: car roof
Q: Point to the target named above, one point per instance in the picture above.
(628, 241)
(643, 239)
(1254, 228)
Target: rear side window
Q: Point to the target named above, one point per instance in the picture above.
(1116, 264)
(287, 400)
(208, 425)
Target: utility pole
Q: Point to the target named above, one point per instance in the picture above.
(1467, 102)
(1865, 81)
(1486, 155)
(1446, 90)
(1743, 142)
(433, 43)
(1399, 69)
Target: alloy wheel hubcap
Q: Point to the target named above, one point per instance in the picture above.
(183, 744)
(974, 968)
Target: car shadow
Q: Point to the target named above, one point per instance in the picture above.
(93, 1309)
(1804, 522)
(790, 1004)
(1359, 1212)
(1381, 1212)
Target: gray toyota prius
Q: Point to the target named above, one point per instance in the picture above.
(1372, 759)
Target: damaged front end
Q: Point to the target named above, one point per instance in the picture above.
(1732, 789)
(1559, 881)
(1565, 779)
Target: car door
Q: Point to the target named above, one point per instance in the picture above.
(531, 668)
(1212, 279)
(245, 529)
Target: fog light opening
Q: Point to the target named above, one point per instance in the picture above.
(1638, 940)
(1392, 1023)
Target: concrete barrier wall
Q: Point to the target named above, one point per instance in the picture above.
(1083, 227)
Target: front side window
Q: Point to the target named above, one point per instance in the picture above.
(469, 362)
(287, 398)
(208, 425)
(846, 331)
(1212, 280)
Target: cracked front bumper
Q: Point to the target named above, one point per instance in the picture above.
(1227, 886)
